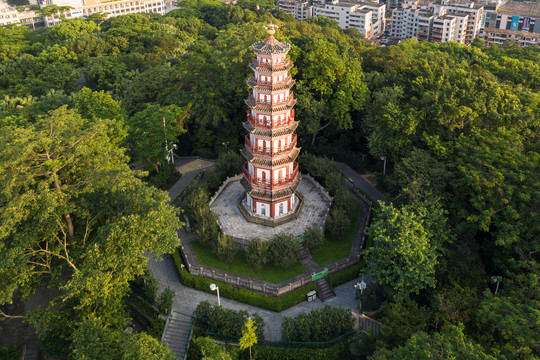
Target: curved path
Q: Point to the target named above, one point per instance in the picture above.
(359, 182)
(187, 299)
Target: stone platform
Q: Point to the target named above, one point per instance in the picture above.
(231, 221)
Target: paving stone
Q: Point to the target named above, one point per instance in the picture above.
(232, 222)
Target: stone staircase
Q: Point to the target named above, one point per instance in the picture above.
(303, 252)
(177, 333)
(324, 288)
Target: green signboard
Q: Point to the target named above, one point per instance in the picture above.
(300, 239)
(319, 275)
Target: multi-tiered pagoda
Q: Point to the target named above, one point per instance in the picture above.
(270, 174)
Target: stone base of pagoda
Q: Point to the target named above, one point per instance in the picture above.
(270, 221)
(312, 212)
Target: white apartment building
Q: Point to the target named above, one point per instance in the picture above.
(301, 10)
(437, 23)
(83, 8)
(8, 14)
(368, 18)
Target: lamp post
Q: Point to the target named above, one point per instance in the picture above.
(213, 287)
(496, 280)
(383, 158)
(226, 144)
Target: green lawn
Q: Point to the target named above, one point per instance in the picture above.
(335, 249)
(240, 265)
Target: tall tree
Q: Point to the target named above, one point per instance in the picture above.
(74, 214)
(154, 131)
(329, 86)
(402, 258)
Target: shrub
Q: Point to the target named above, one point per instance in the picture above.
(220, 320)
(314, 238)
(225, 249)
(257, 253)
(242, 295)
(282, 251)
(322, 324)
(165, 301)
(161, 179)
(203, 221)
(338, 222)
(156, 328)
(343, 200)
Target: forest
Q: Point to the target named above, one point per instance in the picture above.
(455, 248)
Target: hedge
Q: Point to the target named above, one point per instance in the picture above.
(242, 295)
(338, 351)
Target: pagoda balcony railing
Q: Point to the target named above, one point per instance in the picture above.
(271, 184)
(270, 151)
(285, 81)
(269, 65)
(273, 102)
(268, 124)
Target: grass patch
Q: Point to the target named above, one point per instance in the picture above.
(334, 249)
(271, 273)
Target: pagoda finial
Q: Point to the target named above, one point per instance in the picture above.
(270, 29)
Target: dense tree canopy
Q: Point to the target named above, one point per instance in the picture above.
(458, 125)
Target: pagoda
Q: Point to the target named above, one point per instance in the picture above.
(270, 174)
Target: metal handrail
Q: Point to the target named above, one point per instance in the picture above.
(270, 151)
(269, 183)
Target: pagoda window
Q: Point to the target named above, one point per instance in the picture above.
(281, 209)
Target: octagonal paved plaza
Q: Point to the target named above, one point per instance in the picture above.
(231, 221)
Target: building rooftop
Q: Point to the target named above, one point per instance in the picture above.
(531, 9)
(515, 32)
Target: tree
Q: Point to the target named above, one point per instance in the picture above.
(70, 28)
(338, 222)
(203, 220)
(92, 341)
(282, 251)
(402, 257)
(154, 131)
(314, 238)
(509, 321)
(75, 215)
(450, 344)
(225, 249)
(257, 253)
(249, 336)
(329, 87)
(230, 163)
(502, 175)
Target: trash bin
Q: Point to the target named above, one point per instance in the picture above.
(311, 296)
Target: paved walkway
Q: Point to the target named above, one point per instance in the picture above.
(361, 183)
(187, 299)
(189, 168)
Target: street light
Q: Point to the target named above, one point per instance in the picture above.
(383, 158)
(213, 287)
(496, 280)
(226, 144)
